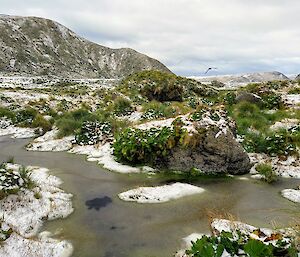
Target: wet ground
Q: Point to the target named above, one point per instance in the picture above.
(104, 226)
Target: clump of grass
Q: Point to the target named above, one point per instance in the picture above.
(5, 112)
(13, 181)
(37, 195)
(70, 122)
(40, 122)
(155, 110)
(122, 106)
(268, 172)
(10, 159)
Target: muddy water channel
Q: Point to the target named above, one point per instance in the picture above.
(104, 226)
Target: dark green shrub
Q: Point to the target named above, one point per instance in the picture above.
(272, 101)
(151, 146)
(235, 243)
(143, 146)
(275, 143)
(230, 98)
(93, 132)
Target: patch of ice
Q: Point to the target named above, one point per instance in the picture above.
(160, 194)
(258, 176)
(220, 225)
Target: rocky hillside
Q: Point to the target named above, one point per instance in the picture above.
(298, 77)
(236, 80)
(37, 46)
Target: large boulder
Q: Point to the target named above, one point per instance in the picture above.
(298, 77)
(216, 151)
(248, 97)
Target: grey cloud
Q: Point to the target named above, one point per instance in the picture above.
(187, 35)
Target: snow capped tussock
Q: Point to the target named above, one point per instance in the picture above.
(160, 194)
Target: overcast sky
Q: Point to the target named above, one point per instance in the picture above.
(187, 35)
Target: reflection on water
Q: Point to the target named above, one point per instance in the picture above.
(123, 229)
(98, 203)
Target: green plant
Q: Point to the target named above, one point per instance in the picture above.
(10, 159)
(92, 132)
(152, 146)
(267, 171)
(272, 100)
(272, 143)
(239, 244)
(256, 248)
(143, 146)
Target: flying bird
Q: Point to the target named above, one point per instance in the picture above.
(210, 68)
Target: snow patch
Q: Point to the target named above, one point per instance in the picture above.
(17, 246)
(24, 213)
(17, 132)
(48, 142)
(103, 155)
(291, 194)
(160, 194)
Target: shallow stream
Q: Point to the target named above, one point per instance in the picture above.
(104, 226)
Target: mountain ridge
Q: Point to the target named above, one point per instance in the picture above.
(246, 78)
(38, 46)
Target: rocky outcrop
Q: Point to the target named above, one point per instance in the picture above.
(298, 77)
(37, 46)
(217, 152)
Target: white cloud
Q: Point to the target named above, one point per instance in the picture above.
(187, 35)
